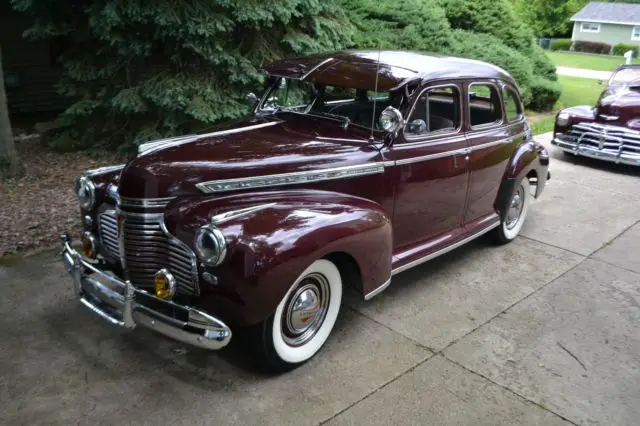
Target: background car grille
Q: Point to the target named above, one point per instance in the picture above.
(615, 140)
(148, 248)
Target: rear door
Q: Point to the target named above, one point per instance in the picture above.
(491, 145)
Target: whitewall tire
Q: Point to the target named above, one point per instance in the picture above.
(304, 318)
(517, 208)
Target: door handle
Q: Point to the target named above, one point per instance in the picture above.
(461, 153)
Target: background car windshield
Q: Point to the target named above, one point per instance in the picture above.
(356, 105)
(626, 75)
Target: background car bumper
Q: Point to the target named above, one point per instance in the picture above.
(586, 151)
(121, 304)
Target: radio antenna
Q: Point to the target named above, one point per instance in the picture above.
(375, 96)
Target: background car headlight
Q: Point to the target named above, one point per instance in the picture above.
(563, 119)
(86, 192)
(210, 245)
(390, 119)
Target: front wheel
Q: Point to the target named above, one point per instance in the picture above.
(516, 213)
(304, 318)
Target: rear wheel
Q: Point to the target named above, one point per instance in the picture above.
(516, 213)
(304, 318)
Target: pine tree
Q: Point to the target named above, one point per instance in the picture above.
(142, 70)
(9, 162)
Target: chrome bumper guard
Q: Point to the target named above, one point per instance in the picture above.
(121, 304)
(587, 151)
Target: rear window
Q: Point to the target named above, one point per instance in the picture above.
(512, 105)
(484, 105)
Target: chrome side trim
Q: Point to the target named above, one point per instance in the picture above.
(151, 147)
(494, 143)
(234, 214)
(324, 138)
(145, 202)
(378, 290)
(216, 186)
(444, 250)
(314, 69)
(462, 151)
(103, 170)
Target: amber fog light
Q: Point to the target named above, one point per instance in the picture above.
(89, 245)
(165, 284)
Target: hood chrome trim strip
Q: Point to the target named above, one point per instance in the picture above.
(234, 214)
(226, 185)
(154, 146)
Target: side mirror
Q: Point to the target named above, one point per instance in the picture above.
(252, 98)
(417, 127)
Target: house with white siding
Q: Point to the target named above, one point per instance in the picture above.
(610, 23)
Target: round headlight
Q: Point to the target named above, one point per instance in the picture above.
(86, 192)
(390, 119)
(210, 245)
(563, 119)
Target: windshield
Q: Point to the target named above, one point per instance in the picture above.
(349, 105)
(625, 75)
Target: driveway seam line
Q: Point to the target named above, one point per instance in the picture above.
(384, 385)
(506, 388)
(606, 244)
(513, 305)
(415, 342)
(553, 245)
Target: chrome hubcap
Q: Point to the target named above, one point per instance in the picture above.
(515, 208)
(305, 310)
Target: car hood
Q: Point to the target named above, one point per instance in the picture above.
(619, 104)
(257, 146)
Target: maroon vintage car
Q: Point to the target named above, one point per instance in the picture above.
(611, 130)
(260, 225)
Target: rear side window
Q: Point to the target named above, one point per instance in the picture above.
(436, 110)
(512, 105)
(484, 105)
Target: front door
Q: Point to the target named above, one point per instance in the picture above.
(428, 163)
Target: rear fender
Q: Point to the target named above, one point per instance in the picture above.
(529, 159)
(276, 236)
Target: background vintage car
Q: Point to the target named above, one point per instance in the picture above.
(260, 223)
(611, 130)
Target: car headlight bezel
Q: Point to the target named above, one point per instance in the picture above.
(563, 119)
(86, 193)
(390, 119)
(210, 245)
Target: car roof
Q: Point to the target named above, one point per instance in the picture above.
(357, 68)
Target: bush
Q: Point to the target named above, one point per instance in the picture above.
(488, 48)
(592, 47)
(544, 94)
(542, 65)
(561, 44)
(141, 71)
(622, 48)
(411, 24)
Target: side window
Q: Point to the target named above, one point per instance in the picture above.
(484, 105)
(436, 110)
(512, 105)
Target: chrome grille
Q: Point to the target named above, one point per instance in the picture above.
(108, 232)
(614, 140)
(148, 247)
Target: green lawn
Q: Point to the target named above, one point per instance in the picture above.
(587, 61)
(575, 91)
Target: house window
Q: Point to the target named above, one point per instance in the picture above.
(635, 34)
(590, 27)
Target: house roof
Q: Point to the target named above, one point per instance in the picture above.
(358, 68)
(609, 13)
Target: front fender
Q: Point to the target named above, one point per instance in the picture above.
(268, 248)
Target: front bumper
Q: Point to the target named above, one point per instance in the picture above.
(121, 304)
(600, 141)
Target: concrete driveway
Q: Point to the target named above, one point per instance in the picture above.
(542, 331)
